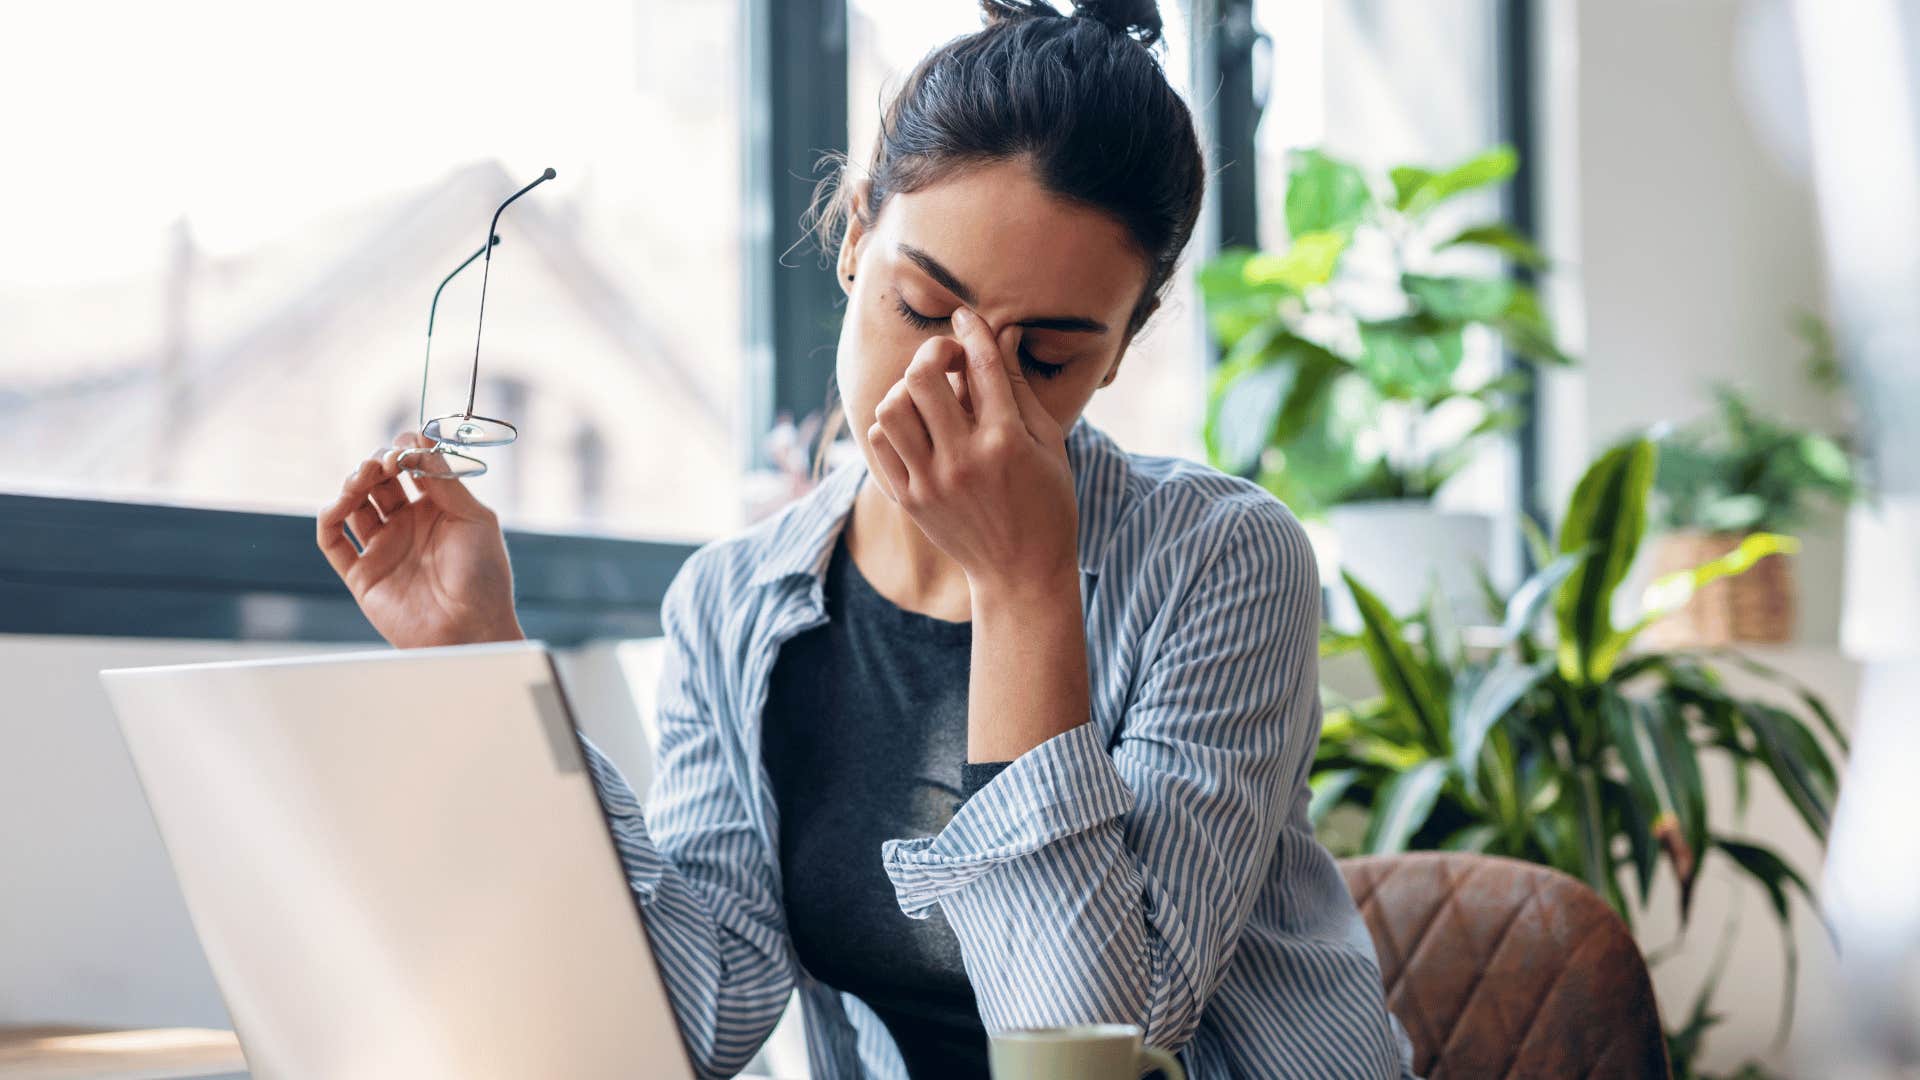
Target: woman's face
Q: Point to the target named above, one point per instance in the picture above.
(993, 239)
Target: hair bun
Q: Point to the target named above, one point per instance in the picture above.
(1138, 19)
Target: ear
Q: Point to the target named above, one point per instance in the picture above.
(848, 261)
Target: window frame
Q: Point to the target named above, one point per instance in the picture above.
(78, 566)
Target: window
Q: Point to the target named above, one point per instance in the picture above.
(1382, 85)
(1157, 403)
(216, 289)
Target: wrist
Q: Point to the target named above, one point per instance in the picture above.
(1059, 590)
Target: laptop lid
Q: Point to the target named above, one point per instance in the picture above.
(398, 865)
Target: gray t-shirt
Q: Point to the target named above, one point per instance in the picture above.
(865, 740)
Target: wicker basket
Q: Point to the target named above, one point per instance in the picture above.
(1757, 606)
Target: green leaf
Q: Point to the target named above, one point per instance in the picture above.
(1324, 194)
(1670, 592)
(1411, 358)
(1647, 786)
(1402, 679)
(1636, 820)
(1732, 513)
(1524, 326)
(1532, 595)
(1674, 757)
(1328, 788)
(1596, 861)
(1407, 182)
(1538, 546)
(1309, 263)
(1261, 396)
(1490, 167)
(1471, 838)
(1798, 764)
(1807, 697)
(1404, 806)
(1608, 512)
(1445, 651)
(1460, 299)
(1771, 871)
(1480, 698)
(1501, 238)
(1825, 459)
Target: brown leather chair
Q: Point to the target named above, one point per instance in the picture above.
(1501, 968)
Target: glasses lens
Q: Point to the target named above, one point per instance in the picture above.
(441, 463)
(469, 431)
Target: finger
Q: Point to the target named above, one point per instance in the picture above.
(892, 470)
(899, 417)
(333, 543)
(388, 496)
(365, 524)
(962, 390)
(933, 395)
(993, 398)
(435, 480)
(1031, 411)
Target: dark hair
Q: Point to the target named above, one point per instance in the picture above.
(1082, 97)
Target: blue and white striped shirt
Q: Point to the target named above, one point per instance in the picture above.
(1153, 865)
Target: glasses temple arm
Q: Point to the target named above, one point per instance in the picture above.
(435, 307)
(473, 385)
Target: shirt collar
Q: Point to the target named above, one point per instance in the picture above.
(801, 541)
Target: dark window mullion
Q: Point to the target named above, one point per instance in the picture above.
(796, 111)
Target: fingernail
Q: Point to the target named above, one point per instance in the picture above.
(962, 316)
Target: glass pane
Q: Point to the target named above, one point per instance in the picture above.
(1157, 403)
(219, 295)
(1381, 84)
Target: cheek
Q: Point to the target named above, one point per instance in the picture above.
(873, 354)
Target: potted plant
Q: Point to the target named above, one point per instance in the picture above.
(1342, 386)
(1570, 749)
(1733, 474)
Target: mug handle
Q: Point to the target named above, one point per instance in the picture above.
(1160, 1059)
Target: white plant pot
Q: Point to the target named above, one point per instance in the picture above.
(1397, 548)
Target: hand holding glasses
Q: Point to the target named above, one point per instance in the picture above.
(465, 429)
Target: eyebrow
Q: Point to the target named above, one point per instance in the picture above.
(939, 273)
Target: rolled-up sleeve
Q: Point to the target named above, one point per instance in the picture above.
(1064, 786)
(1088, 883)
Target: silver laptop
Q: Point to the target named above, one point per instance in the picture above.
(398, 866)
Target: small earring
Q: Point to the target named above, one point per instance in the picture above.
(849, 277)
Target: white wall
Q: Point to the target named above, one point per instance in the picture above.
(1690, 233)
(1693, 232)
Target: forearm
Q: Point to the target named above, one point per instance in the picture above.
(725, 968)
(1028, 676)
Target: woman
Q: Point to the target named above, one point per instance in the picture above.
(1000, 725)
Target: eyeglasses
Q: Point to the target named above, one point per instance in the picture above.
(464, 429)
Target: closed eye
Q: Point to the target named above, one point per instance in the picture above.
(1028, 362)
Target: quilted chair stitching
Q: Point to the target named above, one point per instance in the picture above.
(1406, 954)
(1450, 883)
(1361, 900)
(1540, 1006)
(1513, 920)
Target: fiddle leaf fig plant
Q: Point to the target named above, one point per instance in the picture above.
(1343, 352)
(1570, 749)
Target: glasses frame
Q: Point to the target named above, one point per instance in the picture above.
(459, 429)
